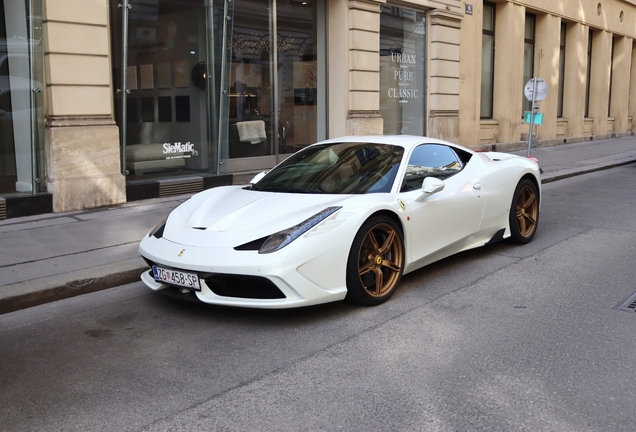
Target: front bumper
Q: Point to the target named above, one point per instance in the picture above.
(289, 278)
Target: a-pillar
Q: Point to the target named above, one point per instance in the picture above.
(508, 88)
(81, 138)
(574, 82)
(621, 68)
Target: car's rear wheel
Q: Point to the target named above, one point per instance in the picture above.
(376, 262)
(524, 212)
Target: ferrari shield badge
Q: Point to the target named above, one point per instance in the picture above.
(402, 204)
(181, 253)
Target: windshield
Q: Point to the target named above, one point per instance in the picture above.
(342, 168)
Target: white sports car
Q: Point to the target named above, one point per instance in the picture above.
(341, 219)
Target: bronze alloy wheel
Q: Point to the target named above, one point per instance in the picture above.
(376, 261)
(527, 211)
(524, 214)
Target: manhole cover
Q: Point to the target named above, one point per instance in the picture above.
(629, 304)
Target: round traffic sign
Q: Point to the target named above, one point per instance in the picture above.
(536, 87)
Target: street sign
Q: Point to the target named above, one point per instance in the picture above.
(533, 117)
(535, 90)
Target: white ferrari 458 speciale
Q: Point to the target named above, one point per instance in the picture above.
(341, 219)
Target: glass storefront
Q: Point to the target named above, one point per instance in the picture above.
(403, 70)
(21, 97)
(212, 86)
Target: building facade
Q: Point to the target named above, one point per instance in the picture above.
(105, 101)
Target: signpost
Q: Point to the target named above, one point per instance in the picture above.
(535, 90)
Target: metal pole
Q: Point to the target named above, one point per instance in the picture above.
(124, 82)
(534, 94)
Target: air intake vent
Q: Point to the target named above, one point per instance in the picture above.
(3, 208)
(180, 187)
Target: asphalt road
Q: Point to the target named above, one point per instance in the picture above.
(499, 338)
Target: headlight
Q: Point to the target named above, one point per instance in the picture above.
(283, 238)
(157, 230)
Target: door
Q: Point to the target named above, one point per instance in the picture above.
(277, 85)
(444, 220)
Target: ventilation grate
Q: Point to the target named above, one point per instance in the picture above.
(3, 208)
(629, 304)
(169, 188)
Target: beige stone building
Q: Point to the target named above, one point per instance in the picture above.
(105, 101)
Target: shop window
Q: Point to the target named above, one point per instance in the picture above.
(609, 102)
(403, 70)
(588, 73)
(20, 105)
(528, 56)
(561, 71)
(487, 61)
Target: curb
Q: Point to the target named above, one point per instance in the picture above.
(35, 292)
(563, 174)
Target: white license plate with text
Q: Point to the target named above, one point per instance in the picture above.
(176, 277)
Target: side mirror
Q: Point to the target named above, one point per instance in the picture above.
(430, 186)
(258, 177)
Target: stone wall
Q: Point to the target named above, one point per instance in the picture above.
(81, 138)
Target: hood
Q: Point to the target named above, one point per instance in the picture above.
(231, 216)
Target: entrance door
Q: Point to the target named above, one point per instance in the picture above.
(277, 83)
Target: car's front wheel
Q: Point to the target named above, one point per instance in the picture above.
(524, 212)
(376, 262)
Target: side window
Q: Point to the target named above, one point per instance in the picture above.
(430, 160)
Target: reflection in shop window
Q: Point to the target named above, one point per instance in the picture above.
(403, 70)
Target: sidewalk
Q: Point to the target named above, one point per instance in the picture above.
(55, 256)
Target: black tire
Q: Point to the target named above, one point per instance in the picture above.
(524, 212)
(376, 262)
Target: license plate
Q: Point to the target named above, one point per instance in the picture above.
(177, 277)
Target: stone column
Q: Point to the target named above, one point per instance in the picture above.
(508, 90)
(364, 68)
(600, 81)
(546, 61)
(469, 76)
(444, 37)
(81, 138)
(338, 61)
(575, 81)
(620, 83)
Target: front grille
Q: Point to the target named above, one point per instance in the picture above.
(249, 287)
